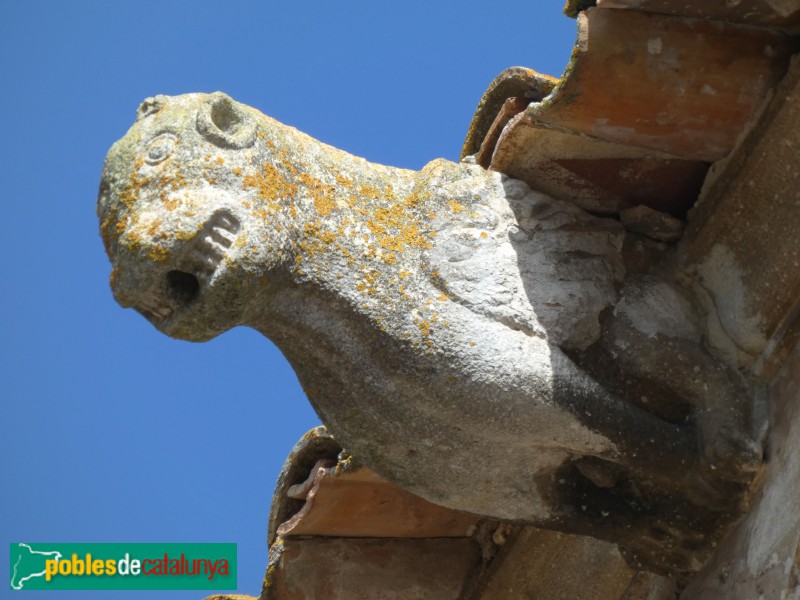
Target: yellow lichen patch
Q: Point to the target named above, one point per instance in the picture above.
(369, 191)
(322, 194)
(237, 171)
(170, 182)
(158, 254)
(187, 235)
(415, 198)
(153, 228)
(132, 238)
(122, 224)
(286, 161)
(344, 181)
(424, 328)
(317, 239)
(455, 206)
(395, 229)
(219, 160)
(327, 237)
(404, 274)
(484, 235)
(130, 193)
(442, 297)
(270, 185)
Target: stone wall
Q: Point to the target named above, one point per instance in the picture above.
(761, 557)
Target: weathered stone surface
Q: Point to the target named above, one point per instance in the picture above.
(741, 240)
(742, 244)
(652, 223)
(538, 561)
(452, 327)
(761, 558)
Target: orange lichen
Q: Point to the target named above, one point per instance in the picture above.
(322, 194)
(369, 191)
(455, 206)
(270, 185)
(344, 181)
(415, 198)
(153, 228)
(157, 254)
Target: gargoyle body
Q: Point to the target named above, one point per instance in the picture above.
(486, 346)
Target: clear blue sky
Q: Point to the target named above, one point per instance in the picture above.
(112, 432)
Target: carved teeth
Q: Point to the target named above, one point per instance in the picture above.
(222, 236)
(202, 258)
(213, 242)
(225, 222)
(212, 248)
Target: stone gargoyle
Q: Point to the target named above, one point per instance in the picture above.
(489, 348)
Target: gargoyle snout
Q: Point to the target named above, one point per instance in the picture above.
(159, 289)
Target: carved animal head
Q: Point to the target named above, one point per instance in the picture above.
(174, 218)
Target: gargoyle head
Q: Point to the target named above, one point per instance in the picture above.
(174, 218)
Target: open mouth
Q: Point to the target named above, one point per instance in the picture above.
(181, 287)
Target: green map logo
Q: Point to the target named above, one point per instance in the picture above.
(123, 567)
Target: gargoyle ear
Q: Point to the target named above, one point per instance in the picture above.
(226, 123)
(150, 106)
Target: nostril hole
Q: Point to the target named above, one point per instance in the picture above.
(183, 287)
(224, 115)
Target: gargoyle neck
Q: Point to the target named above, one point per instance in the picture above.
(340, 209)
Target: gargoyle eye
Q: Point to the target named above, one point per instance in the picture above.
(226, 123)
(160, 148)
